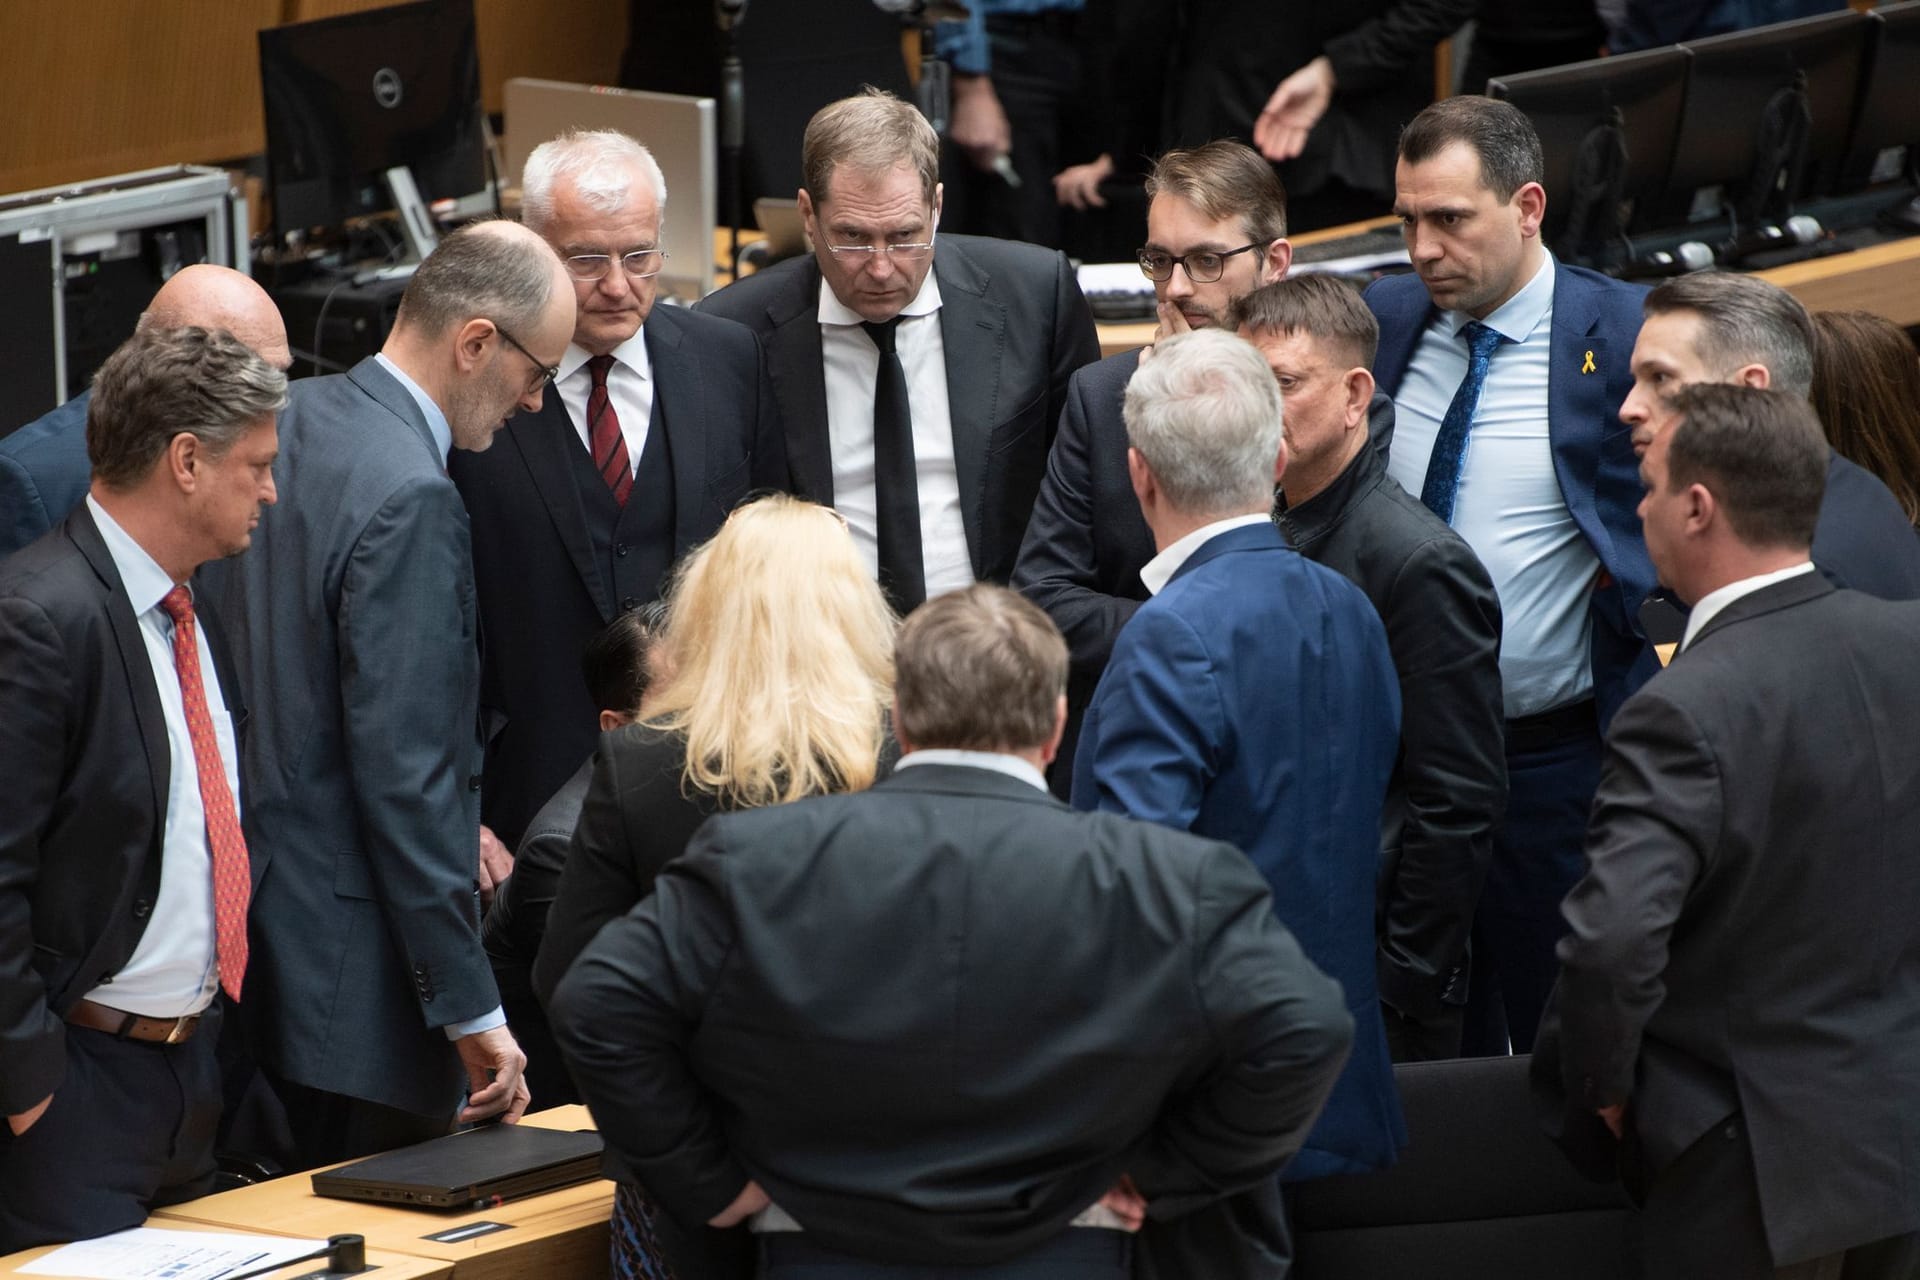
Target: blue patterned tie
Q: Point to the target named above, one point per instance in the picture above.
(1450, 446)
(637, 1254)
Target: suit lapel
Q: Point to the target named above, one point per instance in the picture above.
(548, 444)
(973, 331)
(1407, 309)
(679, 407)
(1577, 411)
(134, 662)
(797, 369)
(386, 391)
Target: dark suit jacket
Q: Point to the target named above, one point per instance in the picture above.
(1254, 701)
(1592, 449)
(83, 747)
(548, 581)
(1015, 327)
(44, 473)
(1863, 539)
(1744, 937)
(836, 997)
(353, 617)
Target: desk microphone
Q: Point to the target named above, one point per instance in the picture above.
(1794, 232)
(1685, 258)
(346, 1255)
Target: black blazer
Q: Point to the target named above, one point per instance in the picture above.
(843, 999)
(1015, 327)
(83, 749)
(1744, 938)
(545, 583)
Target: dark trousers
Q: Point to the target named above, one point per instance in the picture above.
(1553, 769)
(1702, 1218)
(1035, 73)
(1428, 1039)
(331, 1127)
(1078, 1253)
(130, 1128)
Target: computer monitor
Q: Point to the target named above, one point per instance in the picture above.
(1767, 118)
(350, 98)
(1886, 137)
(1607, 130)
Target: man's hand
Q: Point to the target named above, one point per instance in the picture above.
(496, 1080)
(1295, 107)
(1124, 1200)
(979, 125)
(1078, 186)
(1172, 320)
(750, 1201)
(496, 864)
(27, 1119)
(1614, 1117)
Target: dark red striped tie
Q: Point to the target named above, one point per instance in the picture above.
(609, 446)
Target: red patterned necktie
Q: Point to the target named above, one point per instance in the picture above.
(232, 879)
(609, 446)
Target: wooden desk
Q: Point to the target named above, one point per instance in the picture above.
(559, 1236)
(393, 1266)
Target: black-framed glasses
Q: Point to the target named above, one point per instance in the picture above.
(641, 264)
(1203, 266)
(548, 372)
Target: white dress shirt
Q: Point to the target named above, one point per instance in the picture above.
(629, 391)
(172, 971)
(1159, 571)
(1509, 506)
(1714, 601)
(852, 367)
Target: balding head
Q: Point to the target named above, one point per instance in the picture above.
(204, 296)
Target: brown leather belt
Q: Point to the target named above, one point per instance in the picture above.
(131, 1026)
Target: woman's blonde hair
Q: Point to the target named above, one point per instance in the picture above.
(777, 658)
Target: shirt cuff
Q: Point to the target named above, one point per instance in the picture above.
(474, 1026)
(964, 45)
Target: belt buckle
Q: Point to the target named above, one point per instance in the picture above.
(182, 1028)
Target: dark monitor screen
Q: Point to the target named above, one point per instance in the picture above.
(348, 98)
(1739, 112)
(1890, 104)
(1607, 130)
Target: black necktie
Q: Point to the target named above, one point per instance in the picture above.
(896, 490)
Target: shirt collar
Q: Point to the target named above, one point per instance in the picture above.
(144, 581)
(631, 353)
(1517, 317)
(1714, 601)
(998, 762)
(1305, 522)
(925, 303)
(1159, 571)
(436, 420)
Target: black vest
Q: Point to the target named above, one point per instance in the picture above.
(632, 545)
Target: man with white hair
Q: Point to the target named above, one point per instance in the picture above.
(661, 421)
(1253, 700)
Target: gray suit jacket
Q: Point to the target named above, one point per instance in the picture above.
(1744, 940)
(353, 621)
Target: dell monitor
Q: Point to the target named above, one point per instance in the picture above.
(1607, 130)
(353, 99)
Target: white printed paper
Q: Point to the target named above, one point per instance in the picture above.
(149, 1253)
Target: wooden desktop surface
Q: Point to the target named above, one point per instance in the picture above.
(392, 1266)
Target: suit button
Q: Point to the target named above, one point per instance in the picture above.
(629, 602)
(142, 909)
(473, 782)
(620, 549)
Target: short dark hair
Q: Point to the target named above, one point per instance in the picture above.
(508, 279)
(1224, 180)
(615, 661)
(162, 382)
(1498, 132)
(1744, 320)
(980, 669)
(1760, 453)
(1324, 307)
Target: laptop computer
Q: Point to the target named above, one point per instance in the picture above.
(473, 1170)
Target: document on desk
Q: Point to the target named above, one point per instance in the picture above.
(148, 1253)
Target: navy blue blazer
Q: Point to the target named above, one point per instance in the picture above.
(44, 473)
(1863, 539)
(1254, 701)
(1595, 321)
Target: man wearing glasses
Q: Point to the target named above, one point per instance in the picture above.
(919, 376)
(369, 996)
(660, 422)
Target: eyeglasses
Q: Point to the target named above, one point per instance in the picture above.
(641, 264)
(1203, 266)
(548, 372)
(863, 253)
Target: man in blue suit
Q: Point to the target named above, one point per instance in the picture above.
(1252, 700)
(1507, 371)
(44, 470)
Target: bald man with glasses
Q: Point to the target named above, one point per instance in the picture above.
(659, 422)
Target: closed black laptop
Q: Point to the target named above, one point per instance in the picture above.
(472, 1170)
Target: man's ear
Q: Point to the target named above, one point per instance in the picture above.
(1532, 199)
(470, 343)
(1141, 475)
(1752, 375)
(1276, 260)
(1359, 396)
(1701, 509)
(185, 453)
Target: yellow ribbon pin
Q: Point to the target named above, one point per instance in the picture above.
(1588, 366)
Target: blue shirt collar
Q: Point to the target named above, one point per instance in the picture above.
(436, 420)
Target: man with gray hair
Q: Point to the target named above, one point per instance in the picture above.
(354, 620)
(124, 875)
(1740, 329)
(920, 377)
(661, 421)
(1253, 700)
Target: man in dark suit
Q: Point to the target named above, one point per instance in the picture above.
(354, 624)
(659, 423)
(1722, 327)
(1252, 700)
(124, 877)
(934, 1104)
(44, 472)
(1739, 997)
(1506, 370)
(919, 379)
(1340, 508)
